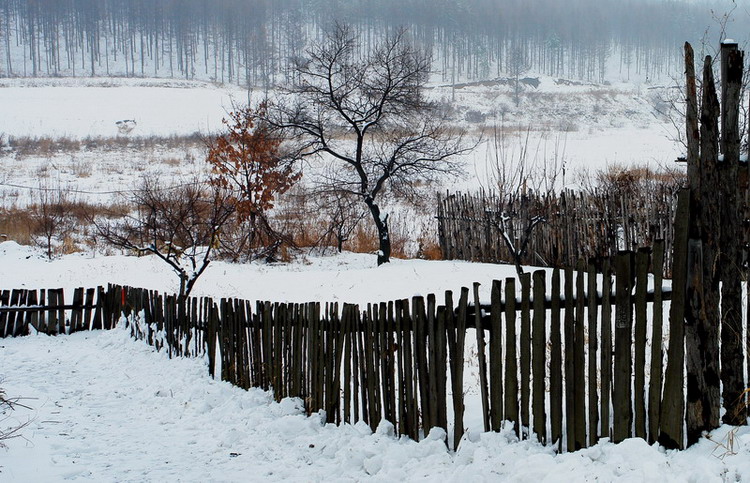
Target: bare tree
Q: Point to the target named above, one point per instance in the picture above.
(368, 115)
(343, 212)
(52, 219)
(526, 177)
(179, 225)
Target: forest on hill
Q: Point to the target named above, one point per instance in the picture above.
(255, 42)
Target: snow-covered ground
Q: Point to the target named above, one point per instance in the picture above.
(103, 407)
(80, 108)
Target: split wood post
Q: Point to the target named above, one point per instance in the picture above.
(496, 356)
(525, 352)
(539, 357)
(672, 410)
(340, 328)
(211, 329)
(441, 367)
(483, 386)
(622, 384)
(639, 375)
(348, 322)
(405, 378)
(457, 368)
(511, 359)
(606, 352)
(401, 384)
(579, 360)
(569, 334)
(268, 361)
(52, 321)
(373, 400)
(24, 319)
(360, 364)
(556, 364)
(732, 360)
(5, 316)
(420, 346)
(657, 354)
(702, 318)
(410, 383)
(100, 302)
(77, 312)
(593, 343)
(432, 360)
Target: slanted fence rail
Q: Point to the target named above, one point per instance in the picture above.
(561, 365)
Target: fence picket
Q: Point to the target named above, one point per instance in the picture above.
(593, 343)
(511, 361)
(639, 369)
(525, 352)
(622, 394)
(569, 329)
(606, 353)
(482, 360)
(539, 357)
(496, 357)
(556, 365)
(579, 375)
(655, 379)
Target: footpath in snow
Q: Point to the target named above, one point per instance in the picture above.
(108, 408)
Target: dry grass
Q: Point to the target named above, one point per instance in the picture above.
(45, 146)
(635, 178)
(16, 225)
(22, 225)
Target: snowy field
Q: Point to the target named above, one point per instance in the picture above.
(581, 128)
(79, 108)
(103, 407)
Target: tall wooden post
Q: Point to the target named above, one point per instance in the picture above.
(702, 314)
(732, 378)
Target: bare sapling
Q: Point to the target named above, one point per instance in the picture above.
(180, 225)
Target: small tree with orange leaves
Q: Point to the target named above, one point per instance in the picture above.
(248, 160)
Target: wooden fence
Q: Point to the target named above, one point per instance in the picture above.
(45, 311)
(576, 224)
(547, 353)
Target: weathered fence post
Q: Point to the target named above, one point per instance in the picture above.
(732, 377)
(539, 357)
(622, 394)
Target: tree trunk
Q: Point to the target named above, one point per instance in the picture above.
(384, 237)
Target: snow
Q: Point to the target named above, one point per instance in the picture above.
(79, 108)
(107, 408)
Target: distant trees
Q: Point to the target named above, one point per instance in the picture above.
(367, 117)
(255, 42)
